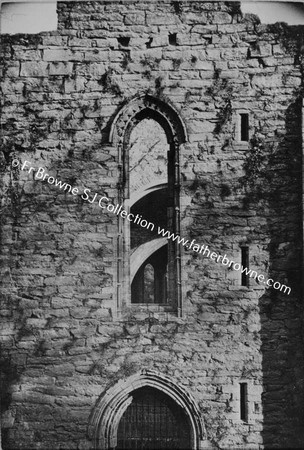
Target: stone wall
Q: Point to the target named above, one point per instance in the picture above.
(63, 340)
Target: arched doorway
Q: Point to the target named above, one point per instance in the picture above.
(132, 413)
(153, 421)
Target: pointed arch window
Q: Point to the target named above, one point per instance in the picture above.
(149, 188)
(150, 162)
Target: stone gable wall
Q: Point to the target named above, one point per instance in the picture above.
(63, 342)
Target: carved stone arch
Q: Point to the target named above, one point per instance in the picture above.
(108, 411)
(142, 253)
(149, 188)
(146, 105)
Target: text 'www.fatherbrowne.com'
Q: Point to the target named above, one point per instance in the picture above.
(224, 260)
(105, 204)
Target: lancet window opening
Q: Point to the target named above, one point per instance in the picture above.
(167, 279)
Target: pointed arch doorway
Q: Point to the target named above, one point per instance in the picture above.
(146, 411)
(153, 421)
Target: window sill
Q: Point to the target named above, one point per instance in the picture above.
(241, 145)
(141, 311)
(157, 307)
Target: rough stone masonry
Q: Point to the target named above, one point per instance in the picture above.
(221, 95)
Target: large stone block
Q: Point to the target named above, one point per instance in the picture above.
(61, 68)
(34, 69)
(270, 81)
(62, 54)
(221, 18)
(136, 18)
(161, 19)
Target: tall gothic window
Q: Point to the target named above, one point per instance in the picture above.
(151, 190)
(149, 133)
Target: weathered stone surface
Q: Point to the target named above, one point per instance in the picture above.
(136, 18)
(64, 338)
(60, 68)
(34, 69)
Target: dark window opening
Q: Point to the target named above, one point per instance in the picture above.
(150, 282)
(152, 208)
(123, 41)
(244, 127)
(173, 38)
(245, 264)
(243, 402)
(153, 421)
(149, 43)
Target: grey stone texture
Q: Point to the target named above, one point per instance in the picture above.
(64, 342)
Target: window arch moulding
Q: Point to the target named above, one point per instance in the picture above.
(173, 124)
